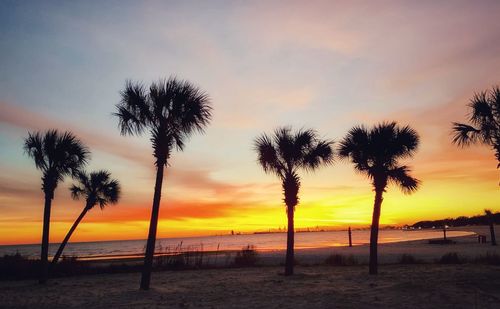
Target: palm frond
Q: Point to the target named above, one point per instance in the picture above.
(400, 176)
(71, 154)
(286, 151)
(97, 187)
(465, 135)
(284, 144)
(33, 146)
(267, 155)
(319, 154)
(356, 147)
(494, 101)
(376, 152)
(406, 141)
(171, 109)
(484, 119)
(133, 111)
(112, 191)
(57, 155)
(76, 192)
(354, 142)
(481, 111)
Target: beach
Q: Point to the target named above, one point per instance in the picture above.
(426, 284)
(396, 286)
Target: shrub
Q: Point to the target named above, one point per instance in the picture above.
(248, 256)
(451, 258)
(176, 261)
(68, 266)
(408, 259)
(17, 266)
(341, 260)
(489, 258)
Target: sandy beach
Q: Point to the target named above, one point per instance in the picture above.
(315, 284)
(389, 253)
(396, 286)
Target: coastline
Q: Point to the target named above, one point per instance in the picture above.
(389, 253)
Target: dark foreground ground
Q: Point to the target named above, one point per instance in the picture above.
(397, 286)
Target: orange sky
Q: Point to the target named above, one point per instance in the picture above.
(328, 66)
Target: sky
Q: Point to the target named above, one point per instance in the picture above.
(326, 65)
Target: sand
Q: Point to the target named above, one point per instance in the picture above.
(466, 247)
(396, 286)
(427, 285)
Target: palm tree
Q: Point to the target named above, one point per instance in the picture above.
(98, 189)
(376, 153)
(283, 155)
(484, 119)
(489, 217)
(57, 155)
(171, 111)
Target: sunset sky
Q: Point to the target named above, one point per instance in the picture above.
(264, 64)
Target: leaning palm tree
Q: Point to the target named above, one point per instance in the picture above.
(283, 155)
(171, 110)
(376, 153)
(484, 119)
(98, 189)
(57, 155)
(491, 222)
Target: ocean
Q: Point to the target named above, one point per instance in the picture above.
(261, 242)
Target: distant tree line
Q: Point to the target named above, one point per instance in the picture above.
(459, 221)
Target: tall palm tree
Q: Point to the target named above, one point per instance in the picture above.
(376, 153)
(491, 222)
(283, 155)
(171, 110)
(57, 155)
(484, 119)
(98, 189)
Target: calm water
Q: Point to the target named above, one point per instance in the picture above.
(274, 241)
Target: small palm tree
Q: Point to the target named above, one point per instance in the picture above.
(171, 111)
(284, 154)
(484, 122)
(57, 155)
(376, 153)
(98, 189)
(489, 216)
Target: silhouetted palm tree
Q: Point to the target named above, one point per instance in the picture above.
(376, 153)
(98, 189)
(484, 122)
(171, 110)
(284, 154)
(489, 216)
(57, 155)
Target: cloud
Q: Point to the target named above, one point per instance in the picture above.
(194, 178)
(8, 188)
(25, 119)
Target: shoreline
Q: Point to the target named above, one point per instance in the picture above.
(389, 252)
(266, 252)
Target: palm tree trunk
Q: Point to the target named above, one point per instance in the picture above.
(492, 233)
(44, 266)
(289, 243)
(374, 232)
(66, 239)
(150, 247)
